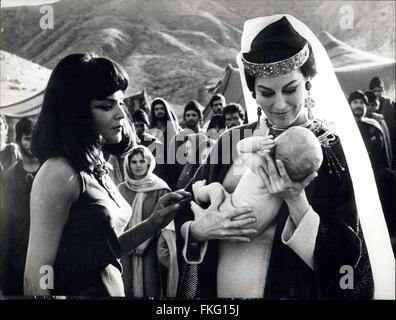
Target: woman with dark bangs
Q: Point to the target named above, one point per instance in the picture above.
(77, 214)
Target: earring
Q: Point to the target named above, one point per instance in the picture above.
(309, 103)
(258, 116)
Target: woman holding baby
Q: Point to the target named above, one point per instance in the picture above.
(329, 220)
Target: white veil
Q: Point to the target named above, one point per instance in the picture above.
(331, 105)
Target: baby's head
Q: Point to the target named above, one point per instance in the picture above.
(300, 151)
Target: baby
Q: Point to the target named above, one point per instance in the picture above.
(301, 154)
(241, 269)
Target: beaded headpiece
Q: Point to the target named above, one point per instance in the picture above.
(278, 68)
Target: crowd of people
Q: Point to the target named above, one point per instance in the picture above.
(375, 116)
(138, 205)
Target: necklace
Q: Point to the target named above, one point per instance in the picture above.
(276, 131)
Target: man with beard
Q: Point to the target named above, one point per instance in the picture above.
(163, 121)
(15, 211)
(217, 103)
(370, 129)
(192, 117)
(233, 115)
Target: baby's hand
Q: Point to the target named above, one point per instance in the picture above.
(267, 143)
(197, 185)
(255, 144)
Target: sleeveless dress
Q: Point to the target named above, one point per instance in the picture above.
(87, 261)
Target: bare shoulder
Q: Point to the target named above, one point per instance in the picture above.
(56, 175)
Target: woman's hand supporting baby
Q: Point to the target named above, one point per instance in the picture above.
(211, 223)
(279, 183)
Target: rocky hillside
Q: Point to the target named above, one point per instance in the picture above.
(173, 48)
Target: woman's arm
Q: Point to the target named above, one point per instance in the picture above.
(55, 188)
(163, 213)
(301, 228)
(326, 234)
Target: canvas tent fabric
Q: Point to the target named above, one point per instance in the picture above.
(27, 108)
(138, 101)
(22, 85)
(230, 87)
(355, 68)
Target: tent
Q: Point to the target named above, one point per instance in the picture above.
(354, 69)
(22, 85)
(229, 86)
(138, 101)
(29, 107)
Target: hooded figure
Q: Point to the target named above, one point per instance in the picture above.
(165, 134)
(143, 273)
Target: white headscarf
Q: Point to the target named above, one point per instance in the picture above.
(150, 182)
(331, 105)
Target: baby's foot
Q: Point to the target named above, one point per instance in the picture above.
(197, 185)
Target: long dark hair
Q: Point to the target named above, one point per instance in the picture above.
(65, 124)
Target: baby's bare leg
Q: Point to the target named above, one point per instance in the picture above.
(210, 193)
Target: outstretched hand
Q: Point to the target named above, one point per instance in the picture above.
(167, 206)
(278, 181)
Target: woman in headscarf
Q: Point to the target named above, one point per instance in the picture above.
(330, 227)
(143, 275)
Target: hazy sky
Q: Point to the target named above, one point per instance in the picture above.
(18, 3)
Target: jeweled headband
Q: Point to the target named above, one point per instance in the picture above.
(278, 68)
